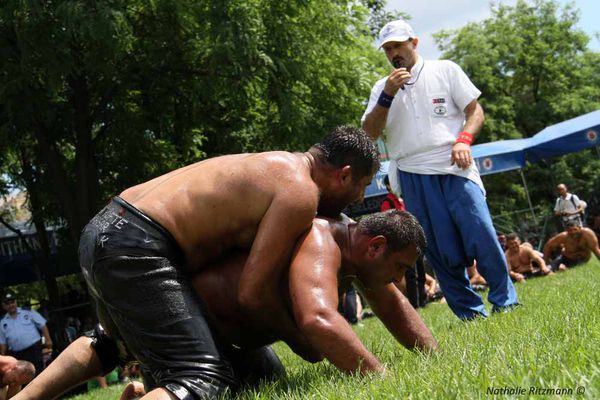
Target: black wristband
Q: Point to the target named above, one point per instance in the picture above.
(385, 100)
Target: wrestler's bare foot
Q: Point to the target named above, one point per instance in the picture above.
(133, 390)
(562, 267)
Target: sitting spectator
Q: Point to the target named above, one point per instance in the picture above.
(521, 259)
(434, 292)
(478, 282)
(13, 375)
(502, 241)
(577, 245)
(568, 206)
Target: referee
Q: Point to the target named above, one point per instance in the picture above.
(20, 333)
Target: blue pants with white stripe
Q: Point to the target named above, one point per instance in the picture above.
(459, 229)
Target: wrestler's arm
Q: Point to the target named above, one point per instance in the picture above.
(535, 257)
(399, 317)
(12, 390)
(511, 272)
(314, 295)
(552, 244)
(73, 366)
(430, 283)
(290, 214)
(593, 243)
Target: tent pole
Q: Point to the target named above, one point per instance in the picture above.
(528, 198)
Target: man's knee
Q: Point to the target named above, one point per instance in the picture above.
(190, 385)
(253, 366)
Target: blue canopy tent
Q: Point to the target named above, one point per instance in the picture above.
(502, 156)
(566, 137)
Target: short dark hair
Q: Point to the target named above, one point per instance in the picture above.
(512, 236)
(346, 145)
(26, 370)
(572, 222)
(400, 228)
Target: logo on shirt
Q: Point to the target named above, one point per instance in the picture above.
(441, 100)
(26, 317)
(439, 110)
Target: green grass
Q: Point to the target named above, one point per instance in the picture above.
(553, 341)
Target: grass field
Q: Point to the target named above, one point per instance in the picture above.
(552, 342)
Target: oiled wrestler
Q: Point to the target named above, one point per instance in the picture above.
(138, 252)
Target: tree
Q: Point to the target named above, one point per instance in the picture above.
(534, 69)
(98, 96)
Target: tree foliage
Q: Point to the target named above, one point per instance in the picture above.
(534, 68)
(96, 96)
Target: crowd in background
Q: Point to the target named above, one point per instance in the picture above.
(525, 260)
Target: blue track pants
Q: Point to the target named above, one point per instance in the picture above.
(459, 229)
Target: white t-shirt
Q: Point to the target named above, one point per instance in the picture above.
(425, 119)
(569, 204)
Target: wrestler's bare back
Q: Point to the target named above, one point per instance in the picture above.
(217, 286)
(216, 205)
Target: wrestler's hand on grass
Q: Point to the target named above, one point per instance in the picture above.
(461, 155)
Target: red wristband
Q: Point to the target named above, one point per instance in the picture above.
(464, 137)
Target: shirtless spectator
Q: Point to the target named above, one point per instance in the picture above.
(137, 253)
(13, 374)
(502, 240)
(577, 245)
(521, 259)
(478, 282)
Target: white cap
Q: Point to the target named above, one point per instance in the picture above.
(395, 31)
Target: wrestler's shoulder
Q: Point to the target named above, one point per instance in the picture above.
(588, 231)
(282, 159)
